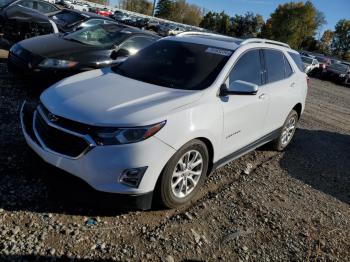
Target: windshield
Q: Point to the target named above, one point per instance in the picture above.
(5, 2)
(306, 60)
(67, 18)
(99, 35)
(175, 64)
(322, 59)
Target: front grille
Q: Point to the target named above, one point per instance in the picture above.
(69, 124)
(58, 140)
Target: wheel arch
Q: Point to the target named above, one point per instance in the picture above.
(299, 109)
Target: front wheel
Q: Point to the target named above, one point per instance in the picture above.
(287, 132)
(184, 174)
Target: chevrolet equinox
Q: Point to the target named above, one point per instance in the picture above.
(154, 126)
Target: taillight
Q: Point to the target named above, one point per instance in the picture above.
(308, 81)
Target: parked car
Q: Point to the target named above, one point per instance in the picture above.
(70, 20)
(8, 7)
(80, 7)
(86, 49)
(22, 23)
(64, 3)
(339, 72)
(311, 64)
(104, 12)
(18, 23)
(170, 30)
(155, 125)
(40, 6)
(174, 30)
(153, 25)
(324, 62)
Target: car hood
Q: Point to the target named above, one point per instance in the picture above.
(104, 98)
(54, 46)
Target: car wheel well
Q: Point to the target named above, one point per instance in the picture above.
(298, 108)
(210, 148)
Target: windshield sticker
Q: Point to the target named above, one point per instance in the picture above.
(218, 51)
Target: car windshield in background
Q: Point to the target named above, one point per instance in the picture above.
(322, 59)
(5, 2)
(99, 35)
(306, 60)
(66, 17)
(175, 64)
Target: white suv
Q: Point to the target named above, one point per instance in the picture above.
(160, 122)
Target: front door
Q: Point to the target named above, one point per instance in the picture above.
(245, 115)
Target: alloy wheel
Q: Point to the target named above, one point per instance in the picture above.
(187, 173)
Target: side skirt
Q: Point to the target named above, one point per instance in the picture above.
(261, 141)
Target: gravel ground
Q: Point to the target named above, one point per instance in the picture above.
(265, 206)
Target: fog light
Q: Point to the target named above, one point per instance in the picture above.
(132, 177)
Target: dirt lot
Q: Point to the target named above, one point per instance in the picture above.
(290, 206)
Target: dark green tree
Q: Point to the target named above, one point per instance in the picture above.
(216, 22)
(165, 9)
(248, 25)
(293, 23)
(209, 21)
(341, 39)
(138, 6)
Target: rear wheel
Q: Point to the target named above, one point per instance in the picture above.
(287, 132)
(183, 175)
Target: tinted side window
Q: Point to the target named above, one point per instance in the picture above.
(297, 59)
(248, 68)
(274, 65)
(288, 68)
(28, 4)
(46, 8)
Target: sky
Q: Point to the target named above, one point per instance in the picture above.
(334, 10)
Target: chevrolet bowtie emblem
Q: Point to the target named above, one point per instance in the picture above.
(52, 117)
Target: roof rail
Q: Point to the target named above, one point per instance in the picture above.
(267, 41)
(203, 33)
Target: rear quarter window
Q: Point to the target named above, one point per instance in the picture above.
(297, 60)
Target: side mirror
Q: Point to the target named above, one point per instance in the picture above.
(120, 53)
(239, 87)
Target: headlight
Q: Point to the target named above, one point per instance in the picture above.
(56, 63)
(342, 75)
(118, 136)
(16, 49)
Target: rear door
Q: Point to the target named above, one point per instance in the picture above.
(282, 86)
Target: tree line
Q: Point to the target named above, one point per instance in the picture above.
(295, 23)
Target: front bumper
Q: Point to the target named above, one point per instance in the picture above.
(101, 166)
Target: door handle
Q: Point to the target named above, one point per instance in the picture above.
(292, 84)
(262, 96)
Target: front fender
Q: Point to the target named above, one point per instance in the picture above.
(201, 121)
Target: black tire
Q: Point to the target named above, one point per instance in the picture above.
(164, 192)
(279, 144)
